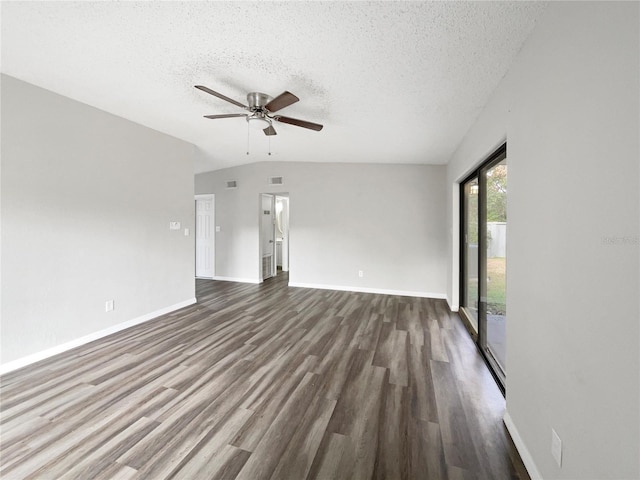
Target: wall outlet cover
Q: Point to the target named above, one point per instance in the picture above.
(108, 306)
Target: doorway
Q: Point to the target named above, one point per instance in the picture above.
(483, 259)
(274, 234)
(267, 236)
(205, 238)
(282, 232)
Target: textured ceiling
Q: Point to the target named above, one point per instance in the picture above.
(392, 82)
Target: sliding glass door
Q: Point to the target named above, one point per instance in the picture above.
(484, 259)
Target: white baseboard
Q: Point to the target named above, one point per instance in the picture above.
(382, 291)
(235, 279)
(36, 357)
(526, 457)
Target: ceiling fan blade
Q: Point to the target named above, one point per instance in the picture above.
(220, 96)
(283, 100)
(299, 123)
(270, 131)
(226, 115)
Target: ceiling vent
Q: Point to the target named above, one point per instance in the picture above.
(275, 181)
(232, 184)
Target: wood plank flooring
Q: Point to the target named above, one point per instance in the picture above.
(264, 382)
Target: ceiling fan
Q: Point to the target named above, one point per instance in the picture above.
(261, 108)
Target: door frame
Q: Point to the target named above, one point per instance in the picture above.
(212, 197)
(479, 336)
(260, 235)
(285, 234)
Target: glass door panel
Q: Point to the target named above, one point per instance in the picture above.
(470, 294)
(495, 261)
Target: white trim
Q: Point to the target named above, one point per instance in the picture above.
(239, 280)
(49, 352)
(261, 253)
(382, 291)
(526, 457)
(450, 303)
(212, 197)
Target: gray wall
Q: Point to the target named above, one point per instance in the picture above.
(569, 111)
(382, 219)
(87, 198)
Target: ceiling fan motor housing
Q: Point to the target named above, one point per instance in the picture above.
(258, 117)
(257, 100)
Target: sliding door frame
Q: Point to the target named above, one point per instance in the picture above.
(479, 336)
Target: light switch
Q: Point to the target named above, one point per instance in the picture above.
(217, 228)
(186, 232)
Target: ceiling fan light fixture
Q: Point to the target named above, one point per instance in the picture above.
(258, 122)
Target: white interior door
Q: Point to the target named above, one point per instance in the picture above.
(205, 238)
(267, 236)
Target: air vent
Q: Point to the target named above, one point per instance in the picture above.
(232, 184)
(267, 267)
(275, 181)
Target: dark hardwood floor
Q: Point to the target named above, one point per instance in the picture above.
(264, 381)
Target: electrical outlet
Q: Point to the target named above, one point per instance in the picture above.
(360, 273)
(174, 225)
(108, 306)
(556, 447)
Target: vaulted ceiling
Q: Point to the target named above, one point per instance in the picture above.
(392, 82)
